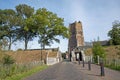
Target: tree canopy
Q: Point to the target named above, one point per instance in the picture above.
(24, 12)
(115, 33)
(25, 23)
(47, 25)
(8, 20)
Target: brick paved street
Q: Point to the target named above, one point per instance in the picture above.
(72, 71)
(95, 72)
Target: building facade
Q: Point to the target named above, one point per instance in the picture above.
(76, 35)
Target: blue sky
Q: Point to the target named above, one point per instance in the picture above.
(96, 16)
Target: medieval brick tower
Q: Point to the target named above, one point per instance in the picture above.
(76, 36)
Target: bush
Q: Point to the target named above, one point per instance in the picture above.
(8, 60)
(19, 49)
(98, 51)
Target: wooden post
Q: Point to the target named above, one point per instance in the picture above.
(98, 59)
(102, 68)
(83, 63)
(79, 61)
(89, 65)
(91, 58)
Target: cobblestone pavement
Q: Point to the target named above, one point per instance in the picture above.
(73, 71)
(95, 72)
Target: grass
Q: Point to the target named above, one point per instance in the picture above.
(113, 67)
(20, 76)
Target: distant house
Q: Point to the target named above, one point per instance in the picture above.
(103, 43)
(88, 44)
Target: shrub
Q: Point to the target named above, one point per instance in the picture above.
(98, 51)
(19, 49)
(8, 60)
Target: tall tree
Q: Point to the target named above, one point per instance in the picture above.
(8, 25)
(49, 26)
(53, 27)
(24, 12)
(115, 33)
(1, 24)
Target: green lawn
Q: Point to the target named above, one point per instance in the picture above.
(20, 76)
(113, 67)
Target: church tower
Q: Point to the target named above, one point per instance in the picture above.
(76, 35)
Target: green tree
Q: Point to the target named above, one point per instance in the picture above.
(115, 33)
(47, 26)
(8, 20)
(24, 12)
(2, 33)
(98, 51)
(51, 27)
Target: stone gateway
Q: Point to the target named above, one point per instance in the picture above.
(76, 39)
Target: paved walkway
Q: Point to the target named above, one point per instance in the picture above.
(73, 71)
(95, 72)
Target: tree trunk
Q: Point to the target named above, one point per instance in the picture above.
(10, 43)
(43, 46)
(9, 47)
(41, 51)
(26, 43)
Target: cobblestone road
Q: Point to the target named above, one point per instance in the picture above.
(70, 71)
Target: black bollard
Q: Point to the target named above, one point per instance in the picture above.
(89, 65)
(83, 63)
(102, 69)
(79, 61)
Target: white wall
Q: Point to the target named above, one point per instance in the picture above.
(52, 60)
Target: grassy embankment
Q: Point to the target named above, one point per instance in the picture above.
(112, 56)
(26, 63)
(20, 76)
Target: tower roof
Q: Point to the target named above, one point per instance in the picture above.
(75, 22)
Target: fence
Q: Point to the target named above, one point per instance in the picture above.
(112, 63)
(89, 58)
(9, 70)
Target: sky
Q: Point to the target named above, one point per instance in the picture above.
(96, 17)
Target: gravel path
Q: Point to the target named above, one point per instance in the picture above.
(71, 71)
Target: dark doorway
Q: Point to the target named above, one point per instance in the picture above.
(80, 56)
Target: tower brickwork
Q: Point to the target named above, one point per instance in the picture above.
(76, 35)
